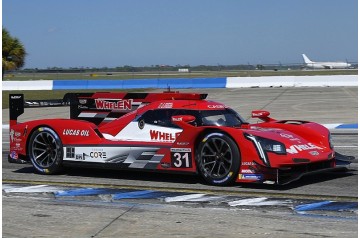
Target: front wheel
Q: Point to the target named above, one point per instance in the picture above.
(218, 159)
(45, 151)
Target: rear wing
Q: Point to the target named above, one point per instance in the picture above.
(98, 108)
(104, 107)
(17, 103)
(16, 107)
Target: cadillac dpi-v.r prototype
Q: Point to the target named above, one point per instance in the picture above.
(171, 132)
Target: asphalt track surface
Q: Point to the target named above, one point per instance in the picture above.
(203, 210)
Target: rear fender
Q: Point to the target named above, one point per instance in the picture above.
(70, 132)
(74, 131)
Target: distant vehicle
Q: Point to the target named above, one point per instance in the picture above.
(325, 65)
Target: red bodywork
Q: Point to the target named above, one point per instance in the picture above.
(117, 130)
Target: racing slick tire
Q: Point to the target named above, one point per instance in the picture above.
(45, 151)
(218, 159)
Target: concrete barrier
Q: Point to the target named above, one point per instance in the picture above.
(180, 83)
(27, 85)
(293, 81)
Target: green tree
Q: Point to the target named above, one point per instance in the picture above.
(13, 52)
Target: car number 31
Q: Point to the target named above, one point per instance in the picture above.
(181, 157)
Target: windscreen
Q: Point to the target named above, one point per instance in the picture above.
(226, 117)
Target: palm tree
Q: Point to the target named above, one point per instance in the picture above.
(13, 52)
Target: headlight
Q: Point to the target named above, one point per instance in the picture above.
(272, 145)
(265, 145)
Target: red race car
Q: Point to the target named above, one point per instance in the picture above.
(171, 132)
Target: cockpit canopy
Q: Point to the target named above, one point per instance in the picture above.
(223, 117)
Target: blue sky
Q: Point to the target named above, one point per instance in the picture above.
(110, 33)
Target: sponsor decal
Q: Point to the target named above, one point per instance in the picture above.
(12, 133)
(177, 119)
(248, 163)
(260, 114)
(182, 143)
(276, 130)
(166, 105)
(82, 101)
(79, 157)
(75, 132)
(25, 130)
(288, 136)
(180, 149)
(224, 179)
(314, 153)
(97, 154)
(215, 106)
(165, 165)
(18, 140)
(163, 136)
(14, 155)
(294, 149)
(108, 154)
(247, 171)
(212, 134)
(70, 152)
(251, 176)
(181, 157)
(121, 104)
(14, 136)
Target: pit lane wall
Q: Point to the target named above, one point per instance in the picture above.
(178, 83)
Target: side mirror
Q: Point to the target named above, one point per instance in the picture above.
(182, 120)
(261, 114)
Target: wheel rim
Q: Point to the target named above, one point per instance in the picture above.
(45, 149)
(216, 156)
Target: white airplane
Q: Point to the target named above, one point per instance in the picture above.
(325, 65)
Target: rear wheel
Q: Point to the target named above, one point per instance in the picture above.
(218, 159)
(45, 151)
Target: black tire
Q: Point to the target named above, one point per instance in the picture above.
(218, 159)
(45, 151)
